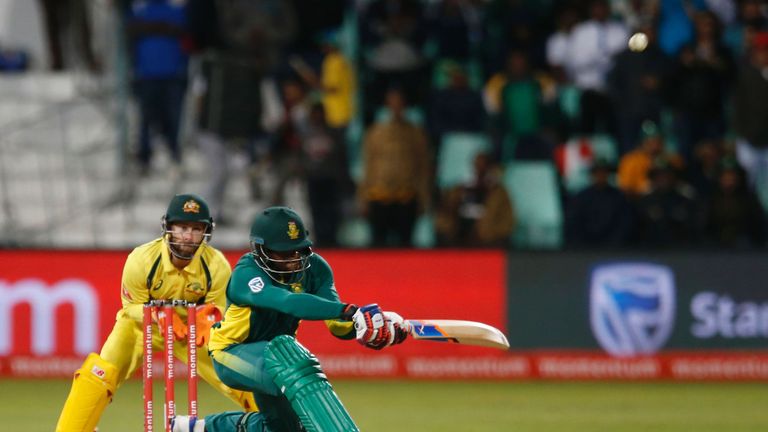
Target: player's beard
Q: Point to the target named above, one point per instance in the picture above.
(181, 249)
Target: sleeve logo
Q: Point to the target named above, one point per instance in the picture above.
(256, 285)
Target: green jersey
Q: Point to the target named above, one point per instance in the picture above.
(259, 308)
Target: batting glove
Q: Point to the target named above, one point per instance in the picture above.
(370, 327)
(348, 312)
(398, 328)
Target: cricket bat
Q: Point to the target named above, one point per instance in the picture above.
(457, 331)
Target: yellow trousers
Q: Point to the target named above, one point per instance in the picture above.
(124, 349)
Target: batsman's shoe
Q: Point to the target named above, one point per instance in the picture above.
(181, 423)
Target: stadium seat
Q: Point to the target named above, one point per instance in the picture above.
(570, 98)
(413, 114)
(354, 140)
(424, 232)
(354, 233)
(456, 155)
(533, 189)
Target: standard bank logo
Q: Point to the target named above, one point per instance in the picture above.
(632, 307)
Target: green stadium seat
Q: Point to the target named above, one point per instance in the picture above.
(570, 99)
(354, 140)
(533, 189)
(424, 232)
(456, 155)
(354, 233)
(413, 114)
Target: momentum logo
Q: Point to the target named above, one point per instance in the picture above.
(43, 301)
(632, 307)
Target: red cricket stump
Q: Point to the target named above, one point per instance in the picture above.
(170, 402)
(147, 369)
(192, 361)
(168, 309)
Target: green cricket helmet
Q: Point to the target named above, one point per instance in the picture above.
(186, 208)
(280, 244)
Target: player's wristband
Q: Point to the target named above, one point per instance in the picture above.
(348, 311)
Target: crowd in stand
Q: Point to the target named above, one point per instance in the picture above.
(661, 104)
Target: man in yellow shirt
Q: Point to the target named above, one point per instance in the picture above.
(397, 175)
(180, 265)
(336, 83)
(634, 166)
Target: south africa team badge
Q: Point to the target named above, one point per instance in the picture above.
(256, 284)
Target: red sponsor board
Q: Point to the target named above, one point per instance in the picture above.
(56, 306)
(60, 305)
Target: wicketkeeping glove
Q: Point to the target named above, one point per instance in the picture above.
(179, 326)
(207, 315)
(370, 327)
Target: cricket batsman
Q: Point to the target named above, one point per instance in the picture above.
(280, 282)
(180, 265)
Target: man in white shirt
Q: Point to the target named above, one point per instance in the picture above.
(592, 45)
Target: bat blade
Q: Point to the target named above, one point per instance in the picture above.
(458, 331)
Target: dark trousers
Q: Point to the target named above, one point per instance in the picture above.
(325, 205)
(597, 113)
(392, 223)
(160, 103)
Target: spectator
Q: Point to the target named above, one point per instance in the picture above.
(737, 36)
(451, 24)
(676, 24)
(600, 215)
(699, 86)
(724, 10)
(243, 42)
(591, 49)
(313, 18)
(158, 32)
(393, 32)
(336, 83)
(68, 26)
(704, 167)
(634, 167)
(636, 84)
(456, 108)
(735, 217)
(510, 25)
(750, 111)
(395, 186)
(287, 153)
(478, 213)
(669, 217)
(634, 13)
(521, 111)
(327, 175)
(557, 42)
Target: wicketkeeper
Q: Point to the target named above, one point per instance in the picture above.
(273, 287)
(179, 265)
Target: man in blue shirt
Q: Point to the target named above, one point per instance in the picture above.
(157, 29)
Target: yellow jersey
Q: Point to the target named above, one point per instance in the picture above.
(149, 274)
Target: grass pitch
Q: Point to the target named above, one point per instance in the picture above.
(32, 406)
